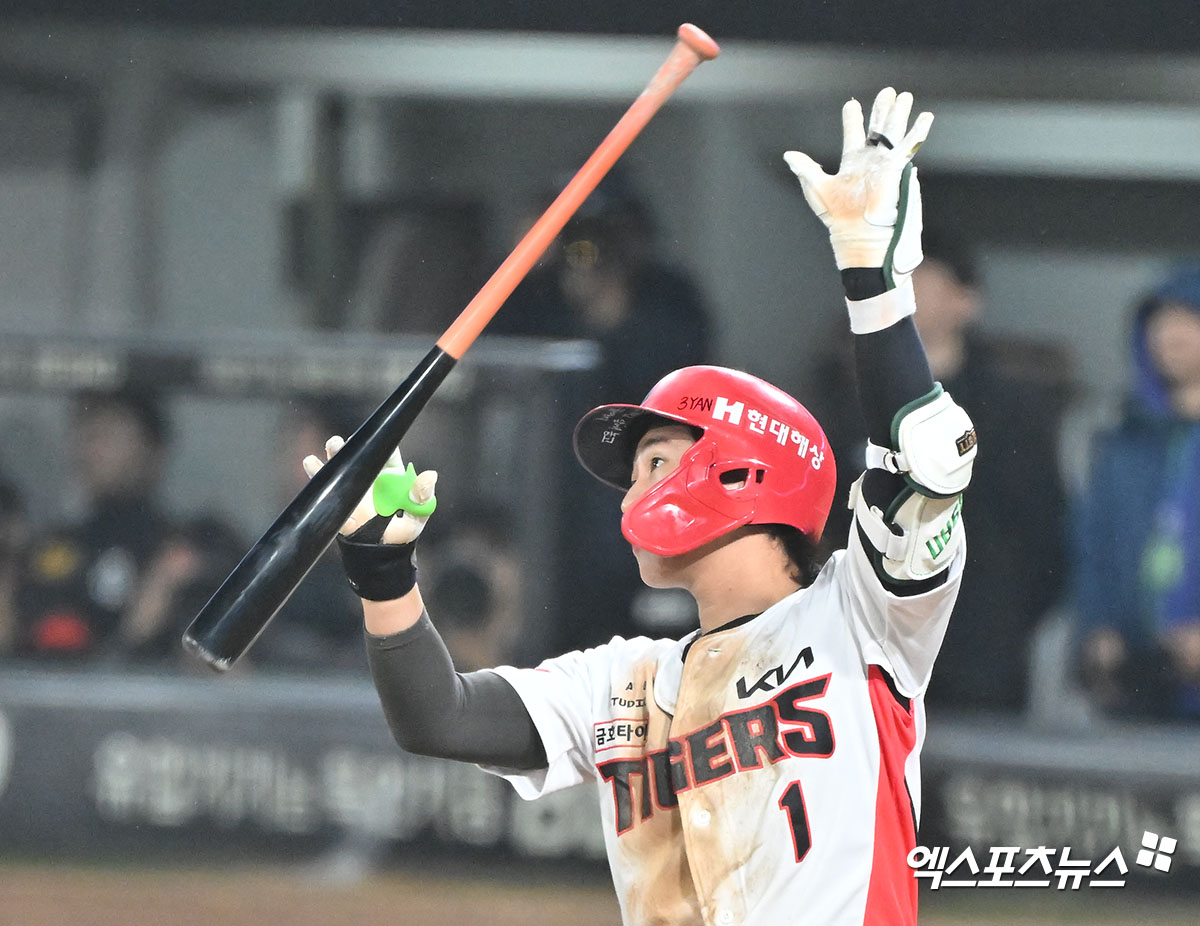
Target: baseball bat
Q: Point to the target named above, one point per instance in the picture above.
(240, 610)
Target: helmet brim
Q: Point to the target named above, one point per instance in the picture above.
(606, 439)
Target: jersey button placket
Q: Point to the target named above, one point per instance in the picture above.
(705, 671)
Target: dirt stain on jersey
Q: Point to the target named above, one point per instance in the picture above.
(652, 855)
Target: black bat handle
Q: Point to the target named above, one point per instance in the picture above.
(262, 582)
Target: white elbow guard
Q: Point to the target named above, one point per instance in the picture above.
(917, 538)
(934, 443)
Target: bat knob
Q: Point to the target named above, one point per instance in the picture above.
(699, 41)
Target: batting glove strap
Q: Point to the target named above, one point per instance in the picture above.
(862, 283)
(378, 571)
(879, 312)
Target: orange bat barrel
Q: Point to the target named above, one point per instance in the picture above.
(262, 582)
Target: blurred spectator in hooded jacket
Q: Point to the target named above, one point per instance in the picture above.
(1138, 547)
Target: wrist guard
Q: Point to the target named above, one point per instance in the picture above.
(378, 571)
(869, 314)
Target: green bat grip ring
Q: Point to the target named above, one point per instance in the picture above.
(392, 492)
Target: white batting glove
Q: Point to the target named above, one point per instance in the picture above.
(872, 205)
(398, 493)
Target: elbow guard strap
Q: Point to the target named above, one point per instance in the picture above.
(916, 538)
(936, 446)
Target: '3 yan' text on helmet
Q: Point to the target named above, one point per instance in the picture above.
(761, 458)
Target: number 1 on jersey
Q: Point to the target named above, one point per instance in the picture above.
(792, 801)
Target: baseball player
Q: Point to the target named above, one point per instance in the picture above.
(764, 768)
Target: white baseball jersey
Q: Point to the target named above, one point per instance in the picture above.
(763, 773)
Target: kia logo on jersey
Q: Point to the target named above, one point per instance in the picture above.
(774, 677)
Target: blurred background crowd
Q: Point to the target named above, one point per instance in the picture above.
(1101, 572)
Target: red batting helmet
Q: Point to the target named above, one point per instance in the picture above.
(761, 459)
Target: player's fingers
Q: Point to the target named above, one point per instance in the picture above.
(811, 178)
(332, 446)
(423, 488)
(312, 465)
(403, 529)
(397, 531)
(880, 110)
(803, 166)
(917, 134)
(897, 120)
(853, 136)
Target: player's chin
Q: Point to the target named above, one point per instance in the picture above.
(657, 571)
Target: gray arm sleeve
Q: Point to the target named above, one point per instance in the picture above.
(433, 710)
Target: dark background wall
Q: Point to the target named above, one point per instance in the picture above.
(1152, 26)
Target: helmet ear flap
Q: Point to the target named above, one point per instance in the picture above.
(729, 486)
(692, 505)
(737, 486)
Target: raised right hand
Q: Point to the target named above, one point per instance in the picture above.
(872, 205)
(398, 494)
